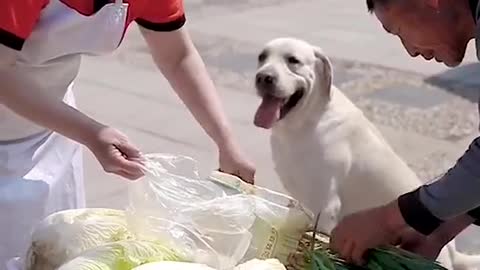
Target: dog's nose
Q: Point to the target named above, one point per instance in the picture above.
(265, 79)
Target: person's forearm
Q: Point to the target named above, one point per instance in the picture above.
(456, 193)
(186, 72)
(197, 91)
(451, 228)
(22, 97)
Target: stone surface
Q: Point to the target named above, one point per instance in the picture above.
(412, 96)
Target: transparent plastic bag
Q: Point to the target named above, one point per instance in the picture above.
(172, 204)
(220, 221)
(15, 264)
(280, 221)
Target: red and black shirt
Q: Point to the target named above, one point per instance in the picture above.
(18, 18)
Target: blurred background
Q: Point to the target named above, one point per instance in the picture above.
(425, 110)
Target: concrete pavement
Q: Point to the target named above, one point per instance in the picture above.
(425, 111)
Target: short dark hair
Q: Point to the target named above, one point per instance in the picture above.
(371, 4)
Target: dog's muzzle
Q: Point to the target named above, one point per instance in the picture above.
(266, 80)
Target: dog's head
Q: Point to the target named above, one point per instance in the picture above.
(289, 72)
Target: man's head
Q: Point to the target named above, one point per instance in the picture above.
(435, 29)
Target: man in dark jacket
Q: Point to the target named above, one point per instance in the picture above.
(426, 218)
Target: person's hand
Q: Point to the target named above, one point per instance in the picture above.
(359, 232)
(431, 245)
(116, 154)
(426, 246)
(234, 162)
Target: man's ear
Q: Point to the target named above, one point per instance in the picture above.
(323, 68)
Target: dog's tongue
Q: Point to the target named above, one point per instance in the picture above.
(268, 112)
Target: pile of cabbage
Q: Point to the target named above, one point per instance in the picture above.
(100, 239)
(175, 220)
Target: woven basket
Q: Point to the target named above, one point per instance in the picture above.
(297, 260)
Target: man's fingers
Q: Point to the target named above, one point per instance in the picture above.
(336, 239)
(249, 178)
(126, 175)
(346, 248)
(399, 240)
(131, 167)
(131, 175)
(358, 253)
(129, 150)
(347, 251)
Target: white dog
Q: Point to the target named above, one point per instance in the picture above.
(326, 152)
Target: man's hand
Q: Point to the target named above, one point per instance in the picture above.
(234, 162)
(426, 246)
(365, 230)
(116, 154)
(430, 246)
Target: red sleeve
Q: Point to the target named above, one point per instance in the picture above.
(165, 15)
(17, 20)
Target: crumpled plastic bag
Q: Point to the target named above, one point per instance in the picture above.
(15, 264)
(173, 205)
(220, 221)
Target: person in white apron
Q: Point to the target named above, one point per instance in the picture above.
(41, 43)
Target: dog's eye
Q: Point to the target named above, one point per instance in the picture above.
(262, 57)
(293, 60)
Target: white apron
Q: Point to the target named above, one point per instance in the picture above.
(42, 173)
(38, 176)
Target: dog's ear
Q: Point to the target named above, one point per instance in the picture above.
(323, 68)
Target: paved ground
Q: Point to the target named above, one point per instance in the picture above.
(425, 111)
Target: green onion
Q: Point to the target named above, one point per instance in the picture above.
(321, 257)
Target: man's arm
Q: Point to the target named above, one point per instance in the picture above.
(25, 99)
(179, 61)
(17, 21)
(456, 193)
(430, 246)
(177, 58)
